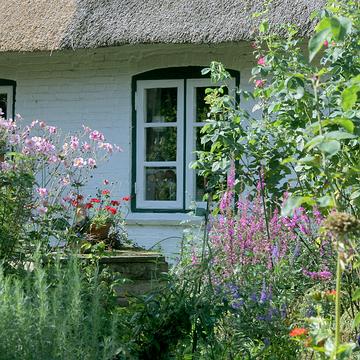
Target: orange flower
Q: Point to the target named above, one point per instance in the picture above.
(298, 332)
(330, 293)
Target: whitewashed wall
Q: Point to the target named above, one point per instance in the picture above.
(93, 87)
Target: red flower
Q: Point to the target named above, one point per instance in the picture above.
(126, 198)
(74, 203)
(111, 210)
(95, 200)
(105, 192)
(115, 202)
(79, 197)
(298, 332)
(89, 205)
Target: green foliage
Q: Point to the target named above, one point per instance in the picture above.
(59, 310)
(307, 138)
(15, 205)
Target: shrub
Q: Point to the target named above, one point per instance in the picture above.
(59, 310)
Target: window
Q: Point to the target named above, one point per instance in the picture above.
(168, 116)
(7, 98)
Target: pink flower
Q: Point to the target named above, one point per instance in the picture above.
(42, 192)
(86, 146)
(261, 61)
(53, 159)
(65, 180)
(42, 210)
(106, 182)
(79, 162)
(108, 147)
(42, 124)
(33, 123)
(5, 166)
(326, 43)
(86, 129)
(14, 139)
(91, 162)
(259, 83)
(96, 136)
(74, 142)
(51, 129)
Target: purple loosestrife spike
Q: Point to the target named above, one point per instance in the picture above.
(318, 275)
(231, 176)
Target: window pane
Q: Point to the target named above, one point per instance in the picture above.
(202, 109)
(161, 144)
(3, 105)
(160, 183)
(200, 187)
(161, 105)
(199, 145)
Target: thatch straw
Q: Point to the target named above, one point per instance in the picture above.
(28, 25)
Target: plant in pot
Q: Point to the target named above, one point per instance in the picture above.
(102, 219)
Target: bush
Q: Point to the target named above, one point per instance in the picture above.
(60, 310)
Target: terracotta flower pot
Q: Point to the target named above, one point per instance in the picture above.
(100, 232)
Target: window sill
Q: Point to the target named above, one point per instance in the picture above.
(153, 219)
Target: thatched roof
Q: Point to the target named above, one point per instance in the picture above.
(28, 25)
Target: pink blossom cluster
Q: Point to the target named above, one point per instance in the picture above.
(242, 237)
(57, 161)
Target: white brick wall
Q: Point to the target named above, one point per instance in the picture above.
(93, 87)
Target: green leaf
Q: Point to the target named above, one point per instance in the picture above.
(339, 135)
(264, 26)
(293, 202)
(349, 97)
(330, 147)
(356, 295)
(345, 28)
(356, 320)
(314, 141)
(326, 201)
(347, 124)
(355, 195)
(317, 41)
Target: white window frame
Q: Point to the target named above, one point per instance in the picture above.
(191, 125)
(141, 163)
(8, 90)
(183, 158)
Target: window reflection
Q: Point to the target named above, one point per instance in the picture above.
(160, 183)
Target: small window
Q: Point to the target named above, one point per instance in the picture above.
(169, 115)
(7, 89)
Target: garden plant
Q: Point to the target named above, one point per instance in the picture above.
(274, 272)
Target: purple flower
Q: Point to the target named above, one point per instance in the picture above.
(318, 275)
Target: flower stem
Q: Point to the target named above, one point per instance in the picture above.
(337, 304)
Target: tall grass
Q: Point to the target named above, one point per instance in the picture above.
(57, 311)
